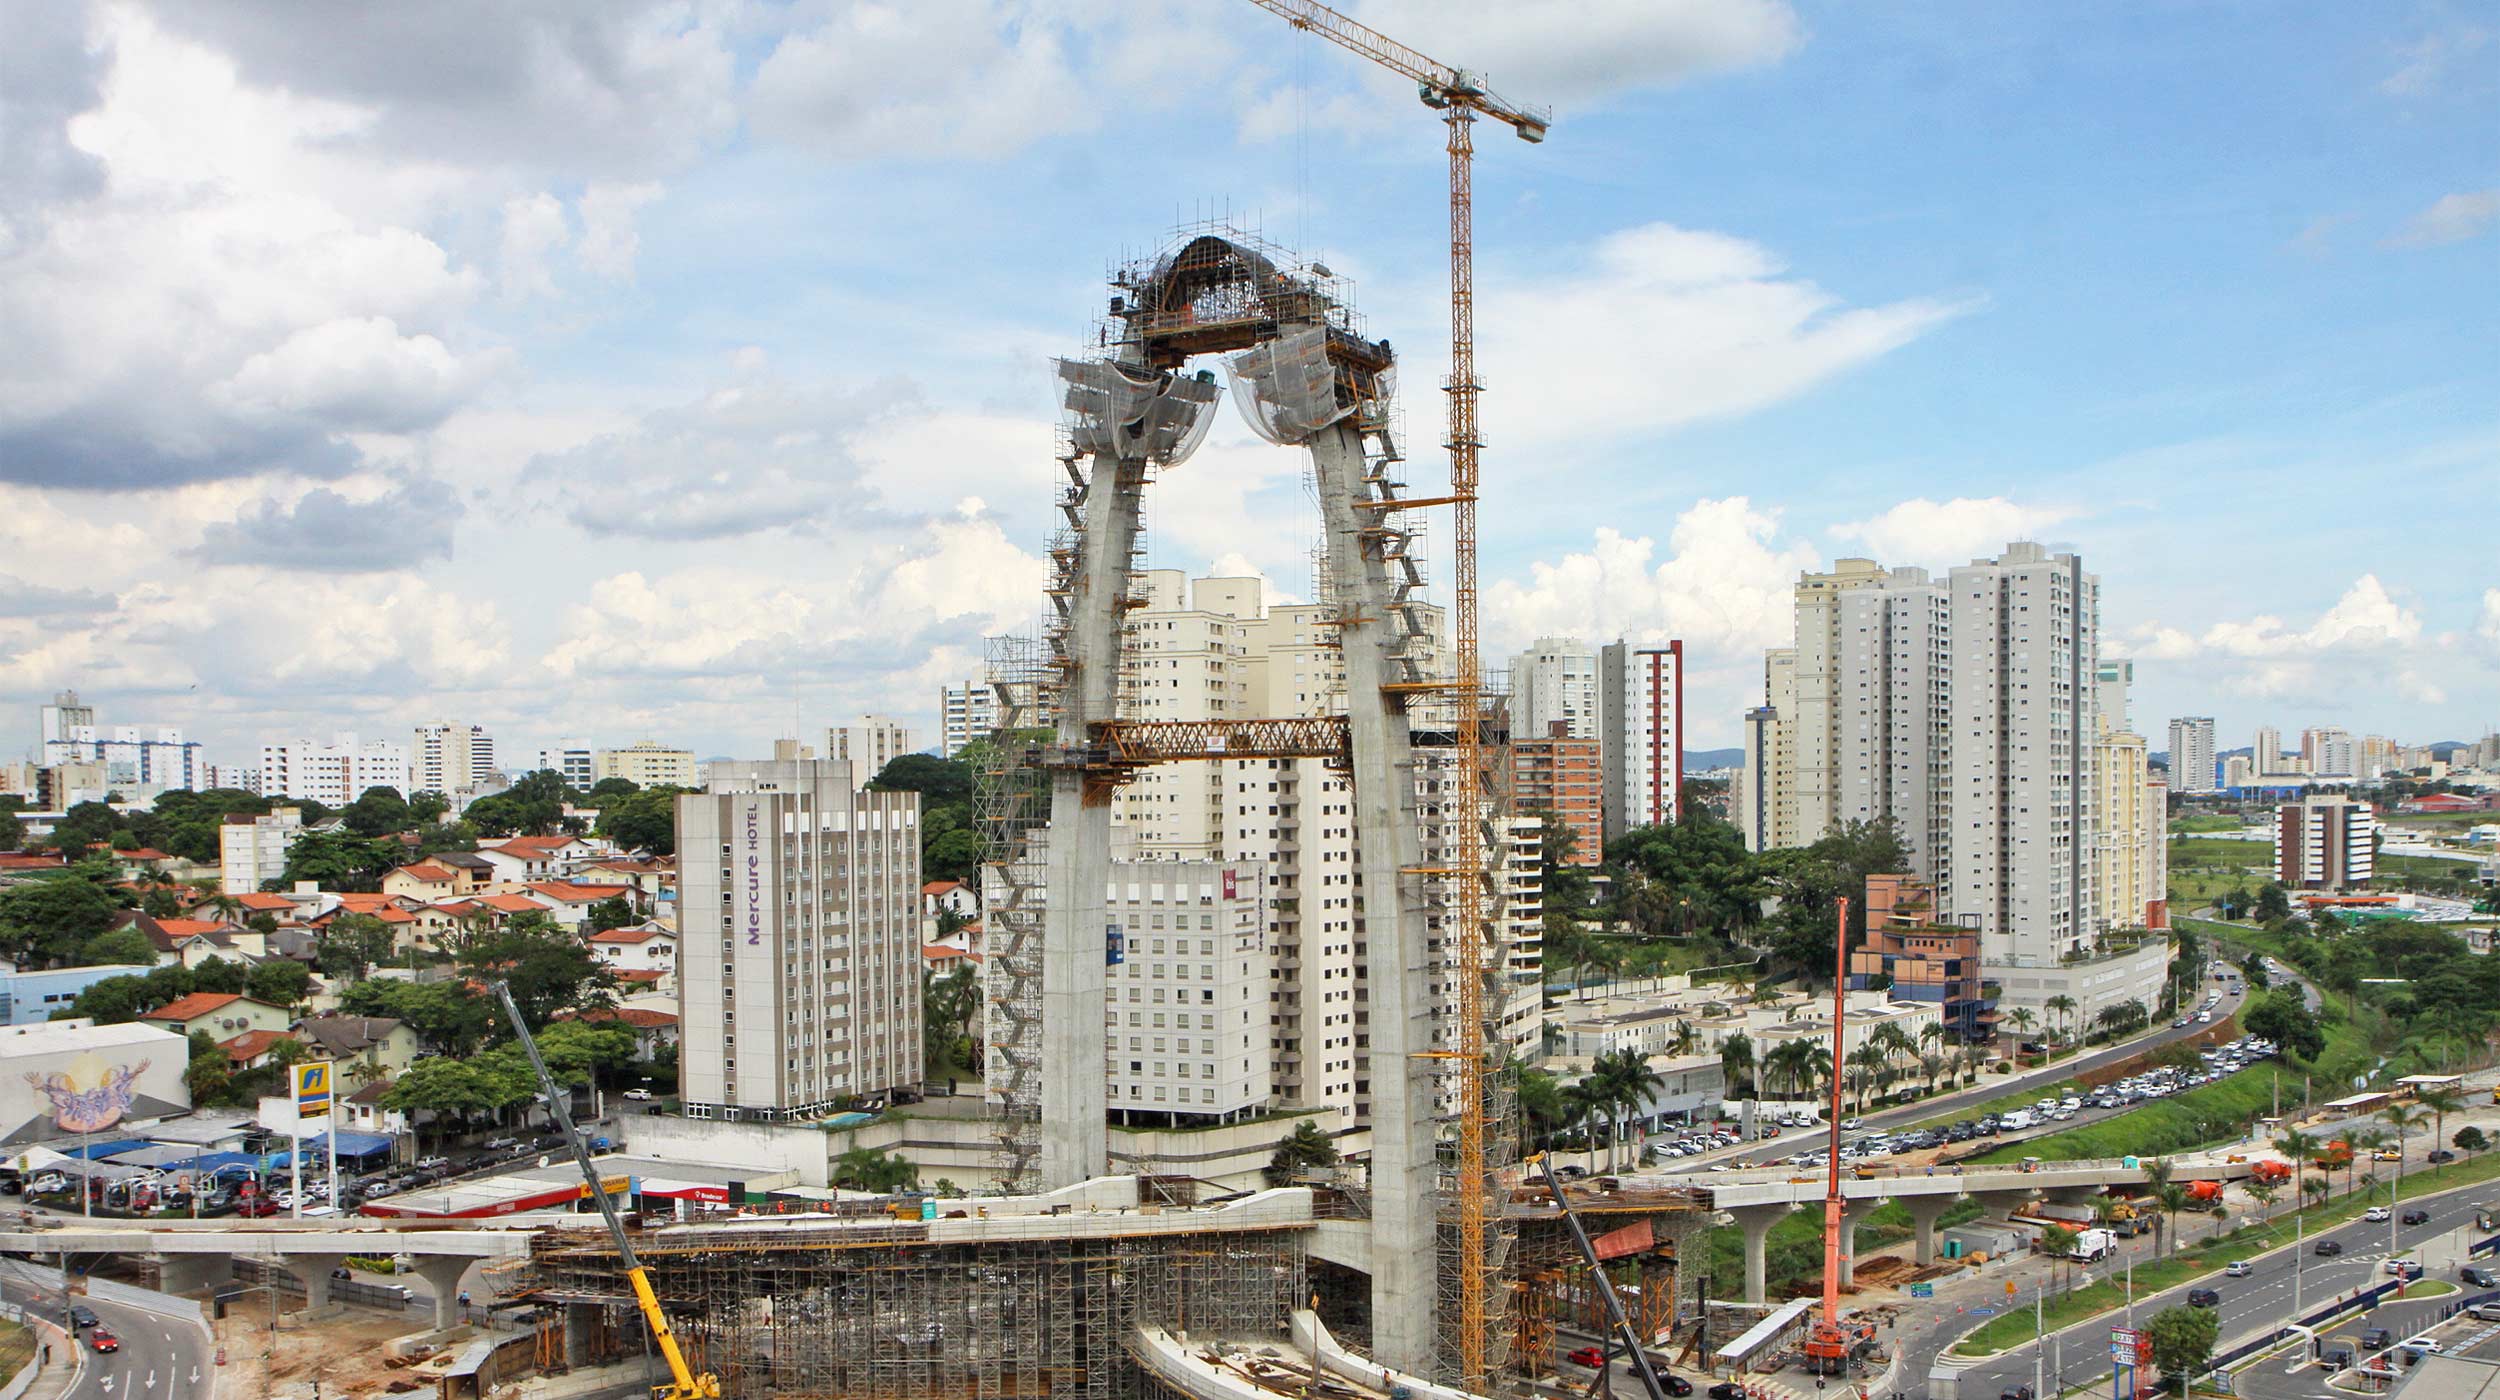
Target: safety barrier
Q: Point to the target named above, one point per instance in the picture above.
(188, 1309)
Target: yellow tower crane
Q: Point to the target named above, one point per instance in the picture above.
(1459, 96)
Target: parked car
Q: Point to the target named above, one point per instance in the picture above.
(102, 1339)
(502, 1144)
(2328, 1249)
(639, 1095)
(427, 1164)
(2484, 1312)
(2204, 1298)
(258, 1208)
(2417, 1216)
(2439, 1155)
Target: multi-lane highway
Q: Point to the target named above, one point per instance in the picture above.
(161, 1357)
(2266, 1298)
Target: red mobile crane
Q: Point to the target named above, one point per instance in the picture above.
(1829, 1345)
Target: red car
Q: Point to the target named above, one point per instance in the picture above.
(1590, 1357)
(102, 1339)
(258, 1207)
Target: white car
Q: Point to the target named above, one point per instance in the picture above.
(639, 1095)
(2376, 1213)
(2404, 1266)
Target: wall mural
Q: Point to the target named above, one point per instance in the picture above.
(101, 1104)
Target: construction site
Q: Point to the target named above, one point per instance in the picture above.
(1434, 1265)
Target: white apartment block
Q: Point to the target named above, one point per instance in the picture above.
(252, 850)
(1186, 1020)
(1185, 662)
(132, 755)
(2192, 754)
(647, 764)
(1763, 797)
(1554, 682)
(2025, 629)
(333, 774)
(1895, 664)
(2325, 842)
(965, 712)
(450, 758)
(2122, 846)
(2265, 754)
(799, 930)
(868, 744)
(1640, 700)
(1815, 720)
(2331, 753)
(573, 759)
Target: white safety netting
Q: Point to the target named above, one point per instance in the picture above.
(1117, 410)
(1285, 388)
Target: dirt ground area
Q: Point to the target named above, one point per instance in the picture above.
(344, 1353)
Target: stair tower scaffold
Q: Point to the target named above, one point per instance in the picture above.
(1459, 96)
(1305, 375)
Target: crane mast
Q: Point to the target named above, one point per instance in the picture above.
(1459, 96)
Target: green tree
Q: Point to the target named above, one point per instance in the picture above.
(641, 821)
(866, 1169)
(210, 1074)
(1809, 882)
(612, 912)
(378, 812)
(548, 969)
(220, 975)
(1300, 1150)
(456, 1090)
(951, 855)
(449, 1019)
(1736, 1065)
(46, 922)
(607, 790)
(85, 824)
(2470, 1140)
(279, 982)
(2280, 1015)
(338, 861)
(426, 808)
(927, 774)
(2183, 1341)
(2272, 906)
(12, 832)
(113, 1001)
(1626, 1083)
(121, 945)
(353, 945)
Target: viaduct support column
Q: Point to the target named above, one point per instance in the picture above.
(1850, 1215)
(314, 1270)
(1925, 1211)
(1756, 1222)
(442, 1274)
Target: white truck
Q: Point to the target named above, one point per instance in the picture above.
(2093, 1244)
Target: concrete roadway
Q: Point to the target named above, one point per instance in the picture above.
(161, 1357)
(2266, 1298)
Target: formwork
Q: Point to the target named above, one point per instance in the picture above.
(805, 1320)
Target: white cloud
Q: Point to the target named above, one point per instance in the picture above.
(2366, 618)
(609, 243)
(1559, 51)
(954, 78)
(533, 228)
(2428, 59)
(1664, 326)
(1948, 532)
(354, 370)
(2489, 628)
(2369, 636)
(1725, 587)
(2451, 218)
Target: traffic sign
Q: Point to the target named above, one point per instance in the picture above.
(1922, 1290)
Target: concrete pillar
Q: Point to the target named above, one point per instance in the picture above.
(1076, 1133)
(1404, 1168)
(1925, 1211)
(1756, 1222)
(1850, 1215)
(189, 1273)
(314, 1270)
(442, 1273)
(2001, 1205)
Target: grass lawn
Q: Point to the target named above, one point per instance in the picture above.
(2188, 826)
(2013, 1329)
(17, 1347)
(2428, 1288)
(2006, 1103)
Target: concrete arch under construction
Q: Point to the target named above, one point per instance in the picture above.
(1304, 376)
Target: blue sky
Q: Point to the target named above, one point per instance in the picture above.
(673, 368)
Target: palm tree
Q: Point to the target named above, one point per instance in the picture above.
(1585, 1103)
(2319, 1186)
(2363, 1143)
(1865, 1063)
(1931, 1035)
(1685, 1039)
(2064, 1006)
(2263, 1193)
(2022, 1020)
(1933, 1066)
(1628, 1083)
(2440, 1103)
(1736, 1062)
(2173, 1198)
(2403, 1120)
(2296, 1146)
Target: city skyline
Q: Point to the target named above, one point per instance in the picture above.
(669, 395)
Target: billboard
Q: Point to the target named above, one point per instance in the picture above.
(311, 1088)
(63, 1080)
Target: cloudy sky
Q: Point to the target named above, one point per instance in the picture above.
(677, 369)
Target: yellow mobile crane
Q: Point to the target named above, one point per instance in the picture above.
(683, 1383)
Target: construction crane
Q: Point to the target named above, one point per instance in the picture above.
(1458, 95)
(683, 1384)
(1622, 1329)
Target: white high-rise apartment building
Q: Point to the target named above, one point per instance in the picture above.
(2331, 753)
(799, 918)
(56, 722)
(2025, 630)
(2238, 771)
(2192, 755)
(1186, 1019)
(1895, 661)
(1814, 725)
(1640, 734)
(1554, 682)
(2265, 756)
(572, 758)
(1764, 794)
(333, 774)
(252, 850)
(130, 755)
(451, 758)
(868, 745)
(965, 712)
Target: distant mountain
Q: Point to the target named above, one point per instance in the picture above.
(1701, 760)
